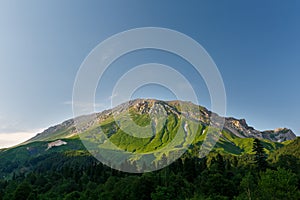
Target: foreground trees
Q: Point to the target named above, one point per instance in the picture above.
(215, 177)
(260, 155)
(272, 184)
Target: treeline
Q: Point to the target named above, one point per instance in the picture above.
(68, 176)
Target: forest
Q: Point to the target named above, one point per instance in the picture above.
(76, 175)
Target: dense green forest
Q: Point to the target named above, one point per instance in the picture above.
(77, 175)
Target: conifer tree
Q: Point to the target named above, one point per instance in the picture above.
(260, 155)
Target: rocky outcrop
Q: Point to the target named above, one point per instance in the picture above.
(56, 143)
(241, 129)
(279, 135)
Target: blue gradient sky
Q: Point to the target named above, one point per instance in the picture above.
(255, 45)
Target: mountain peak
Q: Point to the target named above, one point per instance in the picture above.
(279, 134)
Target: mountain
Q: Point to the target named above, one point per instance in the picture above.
(170, 138)
(55, 164)
(141, 108)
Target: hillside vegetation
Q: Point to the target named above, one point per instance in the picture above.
(55, 164)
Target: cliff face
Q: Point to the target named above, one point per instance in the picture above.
(238, 127)
(241, 129)
(279, 134)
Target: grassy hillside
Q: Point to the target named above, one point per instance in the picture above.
(183, 128)
(29, 156)
(35, 171)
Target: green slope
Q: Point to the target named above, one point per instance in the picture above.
(174, 136)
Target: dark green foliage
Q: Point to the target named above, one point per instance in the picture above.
(278, 184)
(187, 178)
(22, 192)
(70, 174)
(248, 186)
(260, 155)
(73, 195)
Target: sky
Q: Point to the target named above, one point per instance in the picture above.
(255, 45)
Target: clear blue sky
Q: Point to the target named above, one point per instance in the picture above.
(255, 44)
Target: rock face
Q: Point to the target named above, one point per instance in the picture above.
(56, 143)
(241, 129)
(238, 127)
(279, 135)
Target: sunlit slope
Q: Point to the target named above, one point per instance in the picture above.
(181, 129)
(184, 123)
